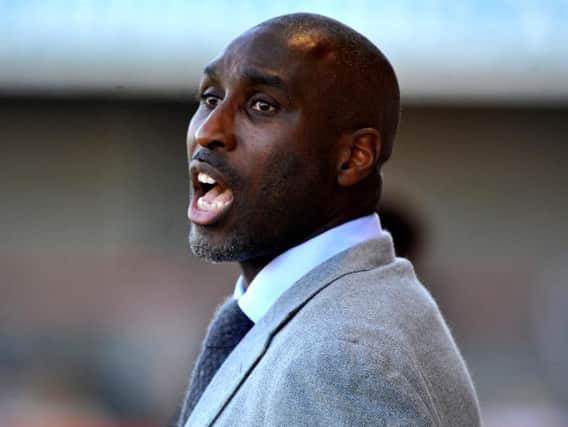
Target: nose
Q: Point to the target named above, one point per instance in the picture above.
(216, 130)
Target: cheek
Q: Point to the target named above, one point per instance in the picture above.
(257, 154)
(284, 175)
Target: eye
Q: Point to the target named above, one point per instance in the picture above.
(263, 106)
(209, 100)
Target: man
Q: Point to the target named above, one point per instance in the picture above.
(326, 327)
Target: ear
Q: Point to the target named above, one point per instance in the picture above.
(358, 156)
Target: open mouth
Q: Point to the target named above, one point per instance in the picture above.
(211, 199)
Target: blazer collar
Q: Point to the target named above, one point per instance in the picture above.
(242, 360)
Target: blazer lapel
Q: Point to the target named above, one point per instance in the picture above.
(244, 357)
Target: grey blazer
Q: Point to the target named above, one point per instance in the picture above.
(357, 341)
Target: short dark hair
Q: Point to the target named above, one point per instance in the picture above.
(365, 62)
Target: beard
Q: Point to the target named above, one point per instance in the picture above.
(237, 247)
(272, 219)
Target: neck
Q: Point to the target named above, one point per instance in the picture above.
(251, 267)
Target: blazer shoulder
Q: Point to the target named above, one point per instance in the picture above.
(381, 329)
(383, 303)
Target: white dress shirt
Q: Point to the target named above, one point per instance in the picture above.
(288, 267)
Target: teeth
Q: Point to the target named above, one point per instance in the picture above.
(204, 205)
(205, 179)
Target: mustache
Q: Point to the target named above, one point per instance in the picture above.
(218, 162)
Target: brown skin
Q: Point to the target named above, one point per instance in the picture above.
(293, 172)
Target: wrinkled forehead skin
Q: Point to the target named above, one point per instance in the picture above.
(306, 61)
(274, 38)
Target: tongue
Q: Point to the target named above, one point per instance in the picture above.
(218, 194)
(211, 207)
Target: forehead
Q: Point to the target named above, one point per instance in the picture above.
(292, 58)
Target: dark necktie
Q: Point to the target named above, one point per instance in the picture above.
(226, 329)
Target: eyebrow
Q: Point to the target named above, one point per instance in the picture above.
(258, 77)
(253, 76)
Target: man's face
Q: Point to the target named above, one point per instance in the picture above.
(260, 150)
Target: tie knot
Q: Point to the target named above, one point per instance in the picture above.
(228, 327)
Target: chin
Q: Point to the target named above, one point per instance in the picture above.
(212, 247)
(237, 246)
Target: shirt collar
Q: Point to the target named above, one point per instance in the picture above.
(287, 268)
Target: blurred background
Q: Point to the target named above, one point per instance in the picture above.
(102, 307)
